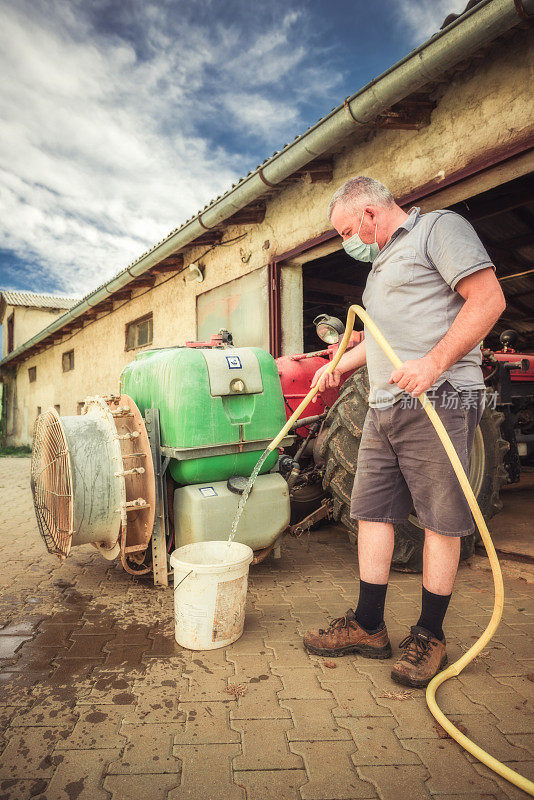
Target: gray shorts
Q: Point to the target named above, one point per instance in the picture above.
(402, 464)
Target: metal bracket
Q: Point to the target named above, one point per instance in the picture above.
(159, 533)
(185, 453)
(323, 512)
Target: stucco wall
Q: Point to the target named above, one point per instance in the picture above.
(490, 104)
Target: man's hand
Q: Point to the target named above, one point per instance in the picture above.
(416, 376)
(329, 381)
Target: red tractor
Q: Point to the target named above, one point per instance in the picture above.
(321, 464)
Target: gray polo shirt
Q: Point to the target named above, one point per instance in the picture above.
(410, 295)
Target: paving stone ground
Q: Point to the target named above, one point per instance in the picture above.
(97, 701)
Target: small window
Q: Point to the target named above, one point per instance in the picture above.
(58, 408)
(68, 360)
(32, 374)
(38, 411)
(139, 332)
(11, 332)
(79, 407)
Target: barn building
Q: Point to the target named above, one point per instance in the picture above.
(448, 126)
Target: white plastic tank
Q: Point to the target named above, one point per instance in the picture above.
(204, 512)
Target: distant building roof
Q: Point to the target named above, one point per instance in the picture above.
(34, 300)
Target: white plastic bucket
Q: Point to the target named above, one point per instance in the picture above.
(210, 591)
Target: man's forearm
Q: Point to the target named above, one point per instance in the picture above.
(353, 358)
(473, 322)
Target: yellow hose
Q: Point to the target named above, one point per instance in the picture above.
(454, 669)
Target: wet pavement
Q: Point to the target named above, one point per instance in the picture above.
(98, 701)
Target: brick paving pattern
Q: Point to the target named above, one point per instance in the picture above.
(97, 701)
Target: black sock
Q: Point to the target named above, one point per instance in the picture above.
(433, 610)
(370, 611)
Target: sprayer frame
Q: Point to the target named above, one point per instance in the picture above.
(160, 532)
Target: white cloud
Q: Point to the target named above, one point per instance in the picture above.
(105, 140)
(423, 18)
(260, 116)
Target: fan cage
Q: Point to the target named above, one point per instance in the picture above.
(51, 481)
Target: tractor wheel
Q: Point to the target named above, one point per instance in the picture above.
(341, 442)
(339, 450)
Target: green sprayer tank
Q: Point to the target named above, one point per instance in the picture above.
(218, 407)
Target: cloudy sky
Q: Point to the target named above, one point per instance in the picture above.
(118, 120)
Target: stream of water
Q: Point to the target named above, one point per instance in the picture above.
(244, 497)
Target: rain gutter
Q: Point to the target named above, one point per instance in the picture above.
(459, 40)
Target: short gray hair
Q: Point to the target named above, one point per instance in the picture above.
(361, 189)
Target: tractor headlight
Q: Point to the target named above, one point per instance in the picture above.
(329, 329)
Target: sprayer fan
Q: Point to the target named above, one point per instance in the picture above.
(92, 479)
(51, 483)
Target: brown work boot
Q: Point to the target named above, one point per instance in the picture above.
(344, 635)
(424, 656)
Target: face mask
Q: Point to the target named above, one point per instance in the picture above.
(357, 249)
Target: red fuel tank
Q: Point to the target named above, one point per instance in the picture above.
(296, 374)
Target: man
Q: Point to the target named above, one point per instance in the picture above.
(433, 293)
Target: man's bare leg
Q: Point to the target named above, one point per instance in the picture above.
(441, 555)
(375, 550)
